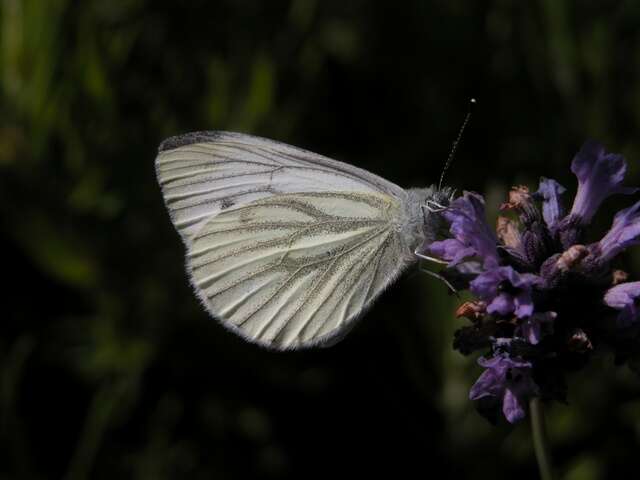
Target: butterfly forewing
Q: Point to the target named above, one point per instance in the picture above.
(284, 246)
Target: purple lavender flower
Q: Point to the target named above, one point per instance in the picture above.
(625, 298)
(545, 300)
(471, 236)
(506, 291)
(508, 382)
(600, 175)
(624, 233)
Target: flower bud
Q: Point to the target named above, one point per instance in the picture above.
(579, 341)
(474, 311)
(571, 257)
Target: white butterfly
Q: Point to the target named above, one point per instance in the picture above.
(286, 247)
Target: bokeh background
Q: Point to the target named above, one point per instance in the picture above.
(108, 366)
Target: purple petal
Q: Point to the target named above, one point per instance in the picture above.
(469, 228)
(502, 304)
(552, 208)
(624, 297)
(504, 361)
(451, 250)
(523, 305)
(600, 175)
(521, 280)
(486, 284)
(512, 406)
(489, 383)
(492, 362)
(624, 232)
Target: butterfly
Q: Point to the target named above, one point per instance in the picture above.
(286, 247)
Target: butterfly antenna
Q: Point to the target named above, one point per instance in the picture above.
(454, 147)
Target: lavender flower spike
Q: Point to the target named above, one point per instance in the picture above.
(470, 231)
(600, 175)
(542, 298)
(509, 382)
(624, 233)
(624, 297)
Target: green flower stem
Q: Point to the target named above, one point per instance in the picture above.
(540, 441)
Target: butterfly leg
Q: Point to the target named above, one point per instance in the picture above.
(431, 259)
(434, 207)
(440, 277)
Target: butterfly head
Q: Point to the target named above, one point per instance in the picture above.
(436, 201)
(426, 209)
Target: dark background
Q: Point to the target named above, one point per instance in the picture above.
(108, 366)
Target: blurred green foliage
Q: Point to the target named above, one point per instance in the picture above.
(108, 366)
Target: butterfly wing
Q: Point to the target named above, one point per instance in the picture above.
(284, 246)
